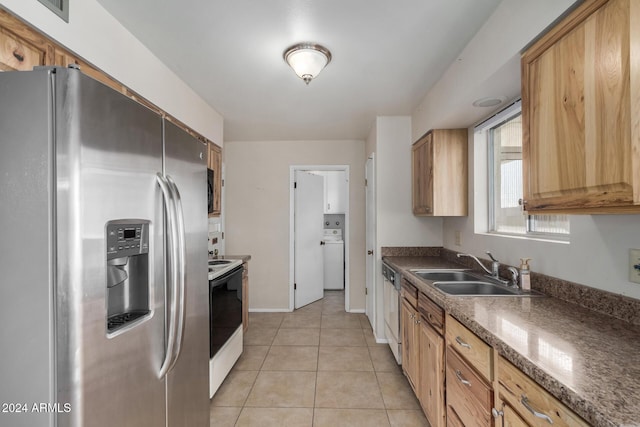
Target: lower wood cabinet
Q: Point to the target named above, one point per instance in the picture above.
(453, 420)
(467, 393)
(510, 417)
(453, 376)
(423, 352)
(432, 369)
(410, 343)
(525, 403)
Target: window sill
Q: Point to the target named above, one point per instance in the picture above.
(535, 238)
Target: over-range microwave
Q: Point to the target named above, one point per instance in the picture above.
(210, 189)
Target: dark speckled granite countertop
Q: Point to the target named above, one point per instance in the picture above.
(589, 361)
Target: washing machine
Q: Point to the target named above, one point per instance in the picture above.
(333, 259)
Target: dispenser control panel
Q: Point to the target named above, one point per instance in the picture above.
(127, 237)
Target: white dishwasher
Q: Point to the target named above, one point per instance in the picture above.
(391, 309)
(333, 251)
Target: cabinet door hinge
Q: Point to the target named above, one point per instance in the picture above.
(295, 185)
(366, 291)
(295, 286)
(366, 183)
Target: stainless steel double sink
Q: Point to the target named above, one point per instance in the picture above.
(466, 283)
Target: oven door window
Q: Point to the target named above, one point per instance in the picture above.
(225, 309)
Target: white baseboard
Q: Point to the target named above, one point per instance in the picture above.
(269, 310)
(358, 310)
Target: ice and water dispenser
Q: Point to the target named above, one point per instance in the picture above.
(127, 271)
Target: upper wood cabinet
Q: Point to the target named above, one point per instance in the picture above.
(581, 112)
(439, 170)
(215, 164)
(18, 54)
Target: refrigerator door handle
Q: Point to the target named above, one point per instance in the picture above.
(182, 268)
(172, 255)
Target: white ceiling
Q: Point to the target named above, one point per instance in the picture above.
(386, 56)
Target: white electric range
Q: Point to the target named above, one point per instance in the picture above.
(225, 319)
(218, 267)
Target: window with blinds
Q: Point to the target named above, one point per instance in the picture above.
(504, 138)
(59, 7)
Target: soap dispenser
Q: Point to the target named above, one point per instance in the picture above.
(525, 278)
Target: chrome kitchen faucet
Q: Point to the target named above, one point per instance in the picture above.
(494, 273)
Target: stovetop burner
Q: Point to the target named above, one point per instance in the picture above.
(218, 267)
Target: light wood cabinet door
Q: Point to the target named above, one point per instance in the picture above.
(467, 393)
(510, 418)
(453, 420)
(581, 112)
(410, 343)
(215, 164)
(422, 171)
(439, 173)
(18, 54)
(431, 388)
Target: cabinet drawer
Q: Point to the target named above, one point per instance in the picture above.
(468, 345)
(431, 312)
(409, 292)
(467, 393)
(527, 397)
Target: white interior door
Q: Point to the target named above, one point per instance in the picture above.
(308, 231)
(370, 241)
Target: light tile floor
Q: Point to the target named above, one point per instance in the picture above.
(318, 366)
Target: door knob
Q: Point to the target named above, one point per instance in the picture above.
(321, 242)
(369, 252)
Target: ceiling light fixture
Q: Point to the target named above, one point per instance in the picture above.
(490, 101)
(307, 59)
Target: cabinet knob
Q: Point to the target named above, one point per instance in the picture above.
(496, 413)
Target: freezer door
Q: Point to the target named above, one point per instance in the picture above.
(187, 383)
(26, 308)
(108, 151)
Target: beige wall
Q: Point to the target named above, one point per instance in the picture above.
(257, 211)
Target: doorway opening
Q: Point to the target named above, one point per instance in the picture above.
(318, 233)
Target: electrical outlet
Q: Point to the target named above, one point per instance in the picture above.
(457, 239)
(634, 265)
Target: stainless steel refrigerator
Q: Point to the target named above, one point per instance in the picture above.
(103, 286)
